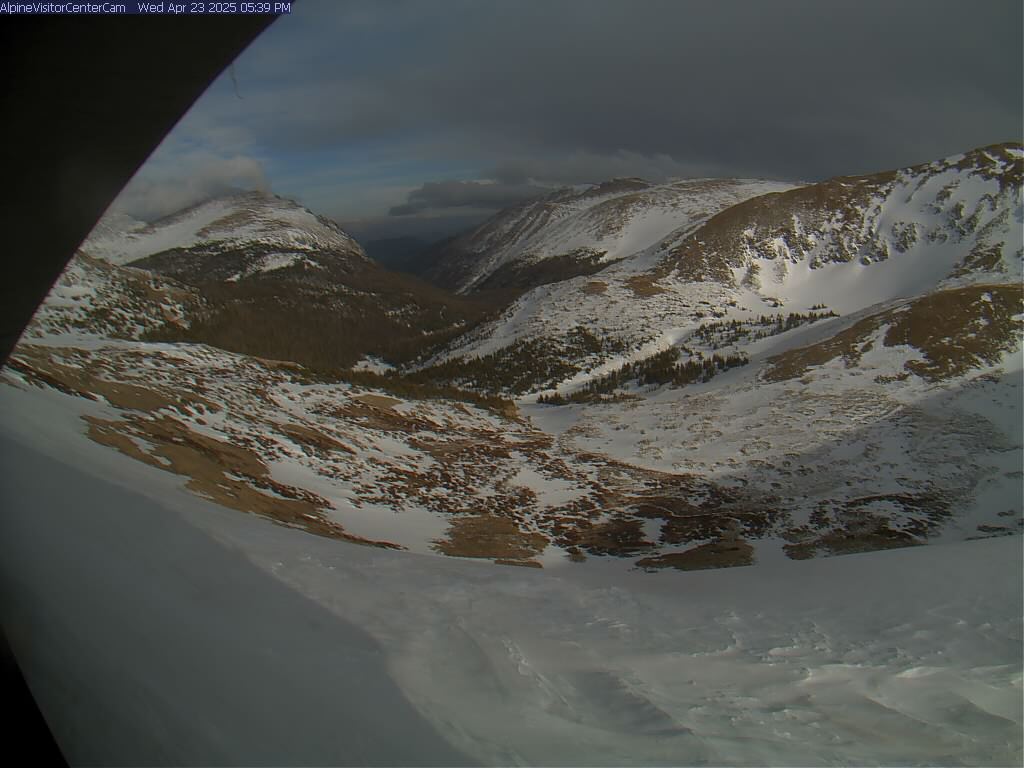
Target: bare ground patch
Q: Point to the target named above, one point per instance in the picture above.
(850, 344)
(82, 378)
(496, 538)
(716, 554)
(226, 474)
(644, 286)
(956, 330)
(960, 329)
(378, 401)
(846, 542)
(313, 439)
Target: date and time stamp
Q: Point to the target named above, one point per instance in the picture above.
(215, 8)
(165, 8)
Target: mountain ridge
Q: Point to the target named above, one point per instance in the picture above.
(966, 227)
(664, 416)
(592, 227)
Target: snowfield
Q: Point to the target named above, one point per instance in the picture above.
(222, 558)
(200, 636)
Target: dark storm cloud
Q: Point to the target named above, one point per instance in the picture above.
(534, 91)
(580, 166)
(438, 195)
(785, 88)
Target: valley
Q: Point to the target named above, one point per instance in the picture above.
(689, 375)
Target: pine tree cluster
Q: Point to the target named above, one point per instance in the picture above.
(729, 332)
(662, 368)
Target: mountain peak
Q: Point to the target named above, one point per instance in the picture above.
(240, 221)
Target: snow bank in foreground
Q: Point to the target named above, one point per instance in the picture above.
(899, 657)
(147, 640)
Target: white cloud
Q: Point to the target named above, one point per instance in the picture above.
(168, 183)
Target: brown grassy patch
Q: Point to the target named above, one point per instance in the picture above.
(130, 396)
(755, 226)
(619, 536)
(41, 378)
(996, 162)
(595, 288)
(375, 417)
(644, 286)
(226, 474)
(508, 409)
(378, 401)
(110, 434)
(849, 344)
(847, 542)
(956, 330)
(233, 220)
(959, 330)
(615, 518)
(496, 538)
(463, 449)
(716, 554)
(36, 364)
(40, 366)
(720, 244)
(314, 439)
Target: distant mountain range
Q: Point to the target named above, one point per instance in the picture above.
(691, 374)
(279, 281)
(578, 231)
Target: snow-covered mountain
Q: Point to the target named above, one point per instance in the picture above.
(576, 231)
(819, 346)
(842, 245)
(228, 238)
(271, 278)
(811, 371)
(954, 219)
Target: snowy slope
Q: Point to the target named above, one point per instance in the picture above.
(280, 230)
(602, 224)
(844, 245)
(791, 455)
(957, 219)
(160, 564)
(781, 428)
(263, 275)
(94, 298)
(185, 653)
(870, 442)
(160, 617)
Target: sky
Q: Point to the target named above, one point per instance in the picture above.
(424, 117)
